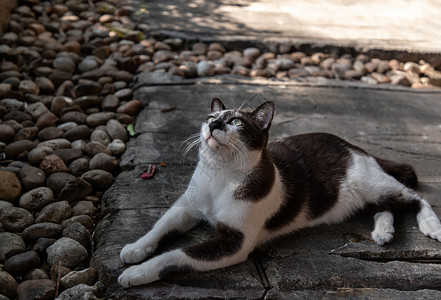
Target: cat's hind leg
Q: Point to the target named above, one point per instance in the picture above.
(384, 227)
(428, 221)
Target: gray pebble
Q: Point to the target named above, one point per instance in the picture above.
(36, 155)
(68, 252)
(79, 166)
(11, 244)
(87, 276)
(54, 212)
(104, 162)
(16, 219)
(116, 130)
(42, 230)
(116, 147)
(79, 233)
(22, 262)
(31, 177)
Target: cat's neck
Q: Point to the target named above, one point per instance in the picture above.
(232, 167)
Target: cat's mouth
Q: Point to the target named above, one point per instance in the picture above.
(213, 142)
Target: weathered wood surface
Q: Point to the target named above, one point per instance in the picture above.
(322, 262)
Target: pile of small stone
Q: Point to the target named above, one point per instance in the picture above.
(213, 59)
(65, 104)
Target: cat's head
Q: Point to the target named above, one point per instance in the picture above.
(230, 135)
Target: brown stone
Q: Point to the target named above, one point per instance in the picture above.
(52, 164)
(47, 120)
(43, 289)
(132, 107)
(6, 133)
(19, 149)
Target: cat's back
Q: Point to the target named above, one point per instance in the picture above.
(323, 150)
(312, 167)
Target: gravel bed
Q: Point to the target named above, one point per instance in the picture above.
(66, 72)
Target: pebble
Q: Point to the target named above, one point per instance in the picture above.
(37, 109)
(100, 136)
(36, 274)
(99, 118)
(22, 262)
(84, 208)
(74, 116)
(42, 230)
(56, 181)
(205, 68)
(81, 291)
(11, 244)
(55, 212)
(67, 252)
(132, 107)
(10, 186)
(75, 189)
(87, 276)
(7, 133)
(16, 219)
(36, 155)
(31, 177)
(28, 86)
(103, 161)
(42, 244)
(116, 147)
(79, 166)
(80, 132)
(116, 130)
(52, 164)
(59, 143)
(68, 154)
(79, 233)
(43, 289)
(93, 148)
(50, 133)
(64, 64)
(19, 149)
(84, 220)
(99, 179)
(8, 287)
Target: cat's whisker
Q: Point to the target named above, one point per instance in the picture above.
(246, 101)
(190, 143)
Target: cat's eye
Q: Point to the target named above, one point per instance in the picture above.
(210, 120)
(236, 122)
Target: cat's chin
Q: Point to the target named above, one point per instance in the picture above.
(213, 143)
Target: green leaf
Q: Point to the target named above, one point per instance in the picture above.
(131, 129)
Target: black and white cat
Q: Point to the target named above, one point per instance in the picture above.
(253, 192)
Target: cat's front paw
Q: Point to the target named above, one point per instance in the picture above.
(133, 253)
(136, 275)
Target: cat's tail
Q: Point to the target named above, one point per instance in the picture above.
(402, 172)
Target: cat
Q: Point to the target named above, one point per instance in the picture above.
(253, 191)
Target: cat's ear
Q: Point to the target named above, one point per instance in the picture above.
(264, 115)
(217, 105)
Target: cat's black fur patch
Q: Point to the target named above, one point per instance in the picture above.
(252, 134)
(404, 173)
(394, 203)
(227, 241)
(259, 181)
(312, 167)
(173, 270)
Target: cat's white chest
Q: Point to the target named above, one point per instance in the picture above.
(214, 194)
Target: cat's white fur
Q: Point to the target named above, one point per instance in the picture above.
(210, 197)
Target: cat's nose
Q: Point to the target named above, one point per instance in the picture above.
(216, 124)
